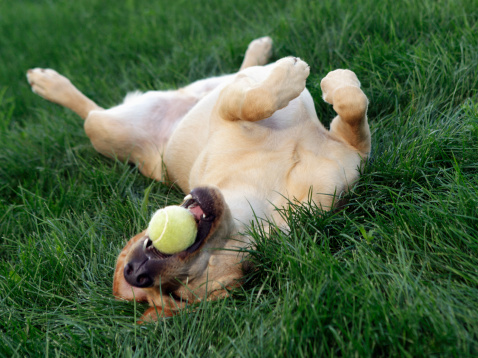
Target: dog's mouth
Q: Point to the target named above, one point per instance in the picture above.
(201, 205)
(146, 263)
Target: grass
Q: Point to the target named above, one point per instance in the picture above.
(392, 274)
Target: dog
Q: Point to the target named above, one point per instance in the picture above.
(240, 146)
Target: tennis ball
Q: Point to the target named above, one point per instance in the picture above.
(172, 229)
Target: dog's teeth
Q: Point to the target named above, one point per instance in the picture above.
(188, 197)
(203, 216)
(146, 243)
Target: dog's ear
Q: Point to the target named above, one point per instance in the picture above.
(121, 288)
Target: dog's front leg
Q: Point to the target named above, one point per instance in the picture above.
(251, 100)
(341, 88)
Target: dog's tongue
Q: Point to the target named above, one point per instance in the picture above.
(197, 212)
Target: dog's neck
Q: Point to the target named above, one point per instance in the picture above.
(248, 207)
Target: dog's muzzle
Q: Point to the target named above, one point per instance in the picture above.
(146, 263)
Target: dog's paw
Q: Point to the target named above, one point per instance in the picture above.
(290, 74)
(49, 84)
(295, 68)
(335, 80)
(260, 49)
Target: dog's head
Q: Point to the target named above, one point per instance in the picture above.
(210, 264)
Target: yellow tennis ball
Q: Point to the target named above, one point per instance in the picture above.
(172, 229)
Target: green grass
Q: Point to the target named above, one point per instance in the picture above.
(394, 273)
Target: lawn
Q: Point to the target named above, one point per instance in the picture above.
(393, 273)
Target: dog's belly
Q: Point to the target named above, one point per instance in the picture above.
(257, 179)
(188, 141)
(199, 128)
(192, 133)
(258, 166)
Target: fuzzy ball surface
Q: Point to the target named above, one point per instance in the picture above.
(172, 229)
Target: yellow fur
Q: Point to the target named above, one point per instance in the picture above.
(253, 138)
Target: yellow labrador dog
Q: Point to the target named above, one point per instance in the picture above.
(239, 146)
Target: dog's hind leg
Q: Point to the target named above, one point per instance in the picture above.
(251, 98)
(56, 88)
(125, 132)
(341, 88)
(258, 52)
(118, 134)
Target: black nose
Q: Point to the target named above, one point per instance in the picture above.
(135, 275)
